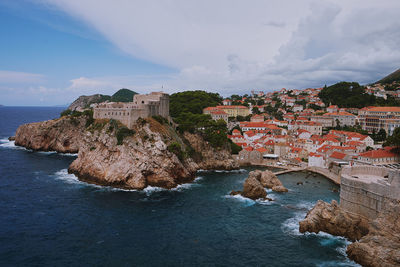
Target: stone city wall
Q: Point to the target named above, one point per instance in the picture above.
(366, 190)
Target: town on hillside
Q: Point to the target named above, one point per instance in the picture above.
(301, 128)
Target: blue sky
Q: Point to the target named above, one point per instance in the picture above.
(52, 51)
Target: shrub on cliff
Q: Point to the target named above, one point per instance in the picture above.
(123, 132)
(193, 102)
(235, 148)
(176, 149)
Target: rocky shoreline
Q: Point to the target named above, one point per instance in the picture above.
(150, 154)
(375, 243)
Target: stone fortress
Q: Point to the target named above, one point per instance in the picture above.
(143, 106)
(367, 190)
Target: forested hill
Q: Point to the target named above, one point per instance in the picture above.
(352, 94)
(192, 102)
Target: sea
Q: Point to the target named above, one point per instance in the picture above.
(50, 218)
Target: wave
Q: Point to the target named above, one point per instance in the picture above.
(11, 144)
(245, 200)
(153, 189)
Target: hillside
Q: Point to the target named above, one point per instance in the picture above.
(393, 77)
(122, 95)
(346, 94)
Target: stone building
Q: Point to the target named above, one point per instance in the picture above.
(366, 190)
(143, 106)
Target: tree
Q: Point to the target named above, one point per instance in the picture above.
(255, 110)
(260, 102)
(193, 102)
(394, 140)
(381, 135)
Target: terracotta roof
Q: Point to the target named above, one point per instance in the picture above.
(312, 154)
(249, 148)
(338, 155)
(384, 109)
(219, 112)
(232, 107)
(261, 149)
(235, 131)
(381, 153)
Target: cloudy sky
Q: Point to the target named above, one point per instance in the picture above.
(52, 51)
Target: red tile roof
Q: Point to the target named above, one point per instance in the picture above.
(381, 153)
(338, 155)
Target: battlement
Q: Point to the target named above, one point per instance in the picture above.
(142, 106)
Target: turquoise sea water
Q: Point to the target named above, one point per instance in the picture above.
(49, 218)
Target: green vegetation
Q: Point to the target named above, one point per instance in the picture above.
(346, 94)
(123, 132)
(160, 119)
(74, 114)
(394, 140)
(235, 148)
(176, 149)
(352, 95)
(123, 95)
(193, 102)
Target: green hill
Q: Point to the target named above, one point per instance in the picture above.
(346, 94)
(393, 77)
(123, 95)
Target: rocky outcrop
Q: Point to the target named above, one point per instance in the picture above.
(376, 243)
(269, 180)
(63, 135)
(141, 160)
(254, 185)
(381, 246)
(331, 219)
(111, 154)
(84, 101)
(210, 158)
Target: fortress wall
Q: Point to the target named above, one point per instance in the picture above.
(365, 195)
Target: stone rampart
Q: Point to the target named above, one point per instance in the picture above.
(366, 190)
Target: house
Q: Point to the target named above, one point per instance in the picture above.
(332, 108)
(342, 117)
(219, 115)
(257, 118)
(227, 102)
(316, 160)
(379, 157)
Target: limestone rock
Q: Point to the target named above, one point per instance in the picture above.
(331, 219)
(381, 246)
(252, 187)
(84, 101)
(209, 158)
(141, 160)
(269, 180)
(63, 135)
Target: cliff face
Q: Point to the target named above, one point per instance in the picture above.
(84, 101)
(211, 158)
(378, 242)
(331, 219)
(62, 135)
(140, 158)
(381, 246)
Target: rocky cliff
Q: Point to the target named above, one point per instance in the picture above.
(331, 219)
(381, 246)
(62, 135)
(210, 158)
(377, 243)
(84, 101)
(152, 153)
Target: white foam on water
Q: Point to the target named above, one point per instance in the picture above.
(46, 152)
(245, 200)
(9, 144)
(152, 189)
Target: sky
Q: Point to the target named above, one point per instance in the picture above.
(52, 51)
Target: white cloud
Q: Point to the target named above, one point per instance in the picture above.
(230, 45)
(15, 77)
